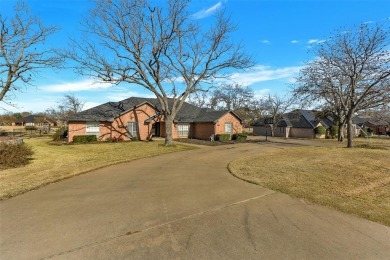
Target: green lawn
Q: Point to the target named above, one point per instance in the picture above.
(51, 163)
(355, 181)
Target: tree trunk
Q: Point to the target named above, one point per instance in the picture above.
(349, 132)
(168, 130)
(340, 133)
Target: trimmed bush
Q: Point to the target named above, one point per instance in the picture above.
(239, 137)
(223, 137)
(320, 130)
(60, 134)
(14, 155)
(134, 138)
(334, 130)
(84, 138)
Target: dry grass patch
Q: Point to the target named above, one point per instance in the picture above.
(53, 163)
(355, 181)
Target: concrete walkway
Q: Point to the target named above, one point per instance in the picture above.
(184, 205)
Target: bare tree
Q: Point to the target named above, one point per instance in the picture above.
(199, 99)
(236, 98)
(351, 73)
(231, 97)
(163, 49)
(22, 54)
(274, 107)
(67, 106)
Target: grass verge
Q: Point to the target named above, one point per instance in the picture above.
(355, 181)
(52, 163)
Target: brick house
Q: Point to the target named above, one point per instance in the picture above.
(141, 118)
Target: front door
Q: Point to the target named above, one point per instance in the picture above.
(156, 129)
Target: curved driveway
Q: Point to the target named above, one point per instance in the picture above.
(183, 205)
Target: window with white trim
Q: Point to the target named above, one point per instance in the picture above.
(132, 129)
(228, 128)
(183, 130)
(92, 128)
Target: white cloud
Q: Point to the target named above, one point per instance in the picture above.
(294, 41)
(315, 41)
(89, 105)
(264, 73)
(312, 41)
(368, 22)
(266, 42)
(82, 85)
(207, 12)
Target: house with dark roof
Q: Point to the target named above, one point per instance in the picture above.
(364, 124)
(298, 123)
(141, 118)
(33, 120)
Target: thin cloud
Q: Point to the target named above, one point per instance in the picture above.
(312, 41)
(207, 12)
(369, 22)
(294, 41)
(266, 42)
(82, 85)
(264, 73)
(315, 41)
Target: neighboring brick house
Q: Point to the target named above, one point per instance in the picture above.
(298, 123)
(141, 118)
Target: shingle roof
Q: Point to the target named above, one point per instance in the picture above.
(300, 118)
(108, 111)
(32, 119)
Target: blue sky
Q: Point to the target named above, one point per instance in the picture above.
(278, 33)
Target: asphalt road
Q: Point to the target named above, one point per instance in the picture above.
(184, 206)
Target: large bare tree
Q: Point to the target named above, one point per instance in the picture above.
(351, 73)
(273, 107)
(67, 106)
(22, 50)
(162, 48)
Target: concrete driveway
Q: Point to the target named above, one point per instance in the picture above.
(184, 205)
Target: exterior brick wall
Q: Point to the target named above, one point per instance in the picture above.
(203, 130)
(76, 128)
(228, 118)
(139, 115)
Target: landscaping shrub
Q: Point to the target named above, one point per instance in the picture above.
(239, 137)
(60, 134)
(134, 138)
(223, 137)
(334, 129)
(320, 130)
(84, 138)
(369, 131)
(13, 155)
